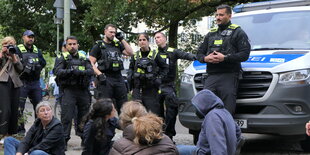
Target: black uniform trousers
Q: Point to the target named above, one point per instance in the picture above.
(114, 88)
(33, 91)
(169, 107)
(74, 98)
(149, 96)
(8, 107)
(225, 86)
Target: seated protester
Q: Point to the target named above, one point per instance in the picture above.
(219, 133)
(144, 136)
(130, 110)
(99, 128)
(44, 137)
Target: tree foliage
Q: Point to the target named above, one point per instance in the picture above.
(88, 21)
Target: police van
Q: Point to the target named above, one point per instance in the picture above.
(274, 92)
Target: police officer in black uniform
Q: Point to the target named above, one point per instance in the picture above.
(73, 72)
(223, 49)
(168, 92)
(147, 69)
(108, 55)
(33, 63)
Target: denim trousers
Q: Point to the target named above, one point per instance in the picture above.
(11, 145)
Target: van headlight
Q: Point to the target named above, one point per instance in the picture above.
(186, 78)
(295, 77)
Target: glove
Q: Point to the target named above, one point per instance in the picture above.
(157, 82)
(102, 78)
(119, 36)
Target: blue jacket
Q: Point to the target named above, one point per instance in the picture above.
(219, 132)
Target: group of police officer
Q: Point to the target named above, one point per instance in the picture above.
(152, 72)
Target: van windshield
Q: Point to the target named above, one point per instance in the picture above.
(284, 30)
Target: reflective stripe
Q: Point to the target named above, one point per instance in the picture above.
(150, 55)
(82, 68)
(218, 42)
(23, 49)
(233, 26)
(115, 65)
(163, 56)
(170, 49)
(139, 70)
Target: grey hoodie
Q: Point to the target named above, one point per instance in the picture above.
(219, 132)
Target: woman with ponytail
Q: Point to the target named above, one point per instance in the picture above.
(142, 133)
(99, 128)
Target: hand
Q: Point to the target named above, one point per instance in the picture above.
(119, 36)
(308, 128)
(218, 56)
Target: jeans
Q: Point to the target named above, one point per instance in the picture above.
(11, 145)
(186, 149)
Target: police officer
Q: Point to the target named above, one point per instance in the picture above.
(33, 62)
(168, 92)
(223, 49)
(108, 54)
(73, 72)
(148, 69)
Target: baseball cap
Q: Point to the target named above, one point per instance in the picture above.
(28, 33)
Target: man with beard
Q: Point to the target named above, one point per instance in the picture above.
(33, 62)
(108, 54)
(223, 49)
(73, 72)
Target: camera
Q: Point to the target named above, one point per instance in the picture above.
(12, 49)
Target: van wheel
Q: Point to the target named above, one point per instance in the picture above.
(305, 143)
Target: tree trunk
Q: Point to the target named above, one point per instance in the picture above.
(173, 34)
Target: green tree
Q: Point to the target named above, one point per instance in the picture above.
(157, 14)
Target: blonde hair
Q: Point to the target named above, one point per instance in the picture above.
(130, 111)
(8, 39)
(148, 129)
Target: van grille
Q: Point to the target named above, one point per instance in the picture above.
(252, 85)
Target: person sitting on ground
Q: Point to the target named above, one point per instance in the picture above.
(99, 128)
(143, 134)
(219, 133)
(43, 138)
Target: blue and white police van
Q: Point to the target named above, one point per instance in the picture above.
(274, 93)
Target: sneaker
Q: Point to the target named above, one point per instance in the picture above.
(240, 144)
(2, 141)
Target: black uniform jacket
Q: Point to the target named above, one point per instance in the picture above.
(50, 139)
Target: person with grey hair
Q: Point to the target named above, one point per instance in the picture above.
(44, 137)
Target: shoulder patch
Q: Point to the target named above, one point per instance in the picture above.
(233, 26)
(214, 29)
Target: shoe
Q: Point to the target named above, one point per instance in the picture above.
(2, 141)
(240, 144)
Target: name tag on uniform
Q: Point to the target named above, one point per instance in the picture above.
(167, 61)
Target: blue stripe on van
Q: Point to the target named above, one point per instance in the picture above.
(259, 61)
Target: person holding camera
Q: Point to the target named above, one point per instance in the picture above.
(107, 53)
(146, 69)
(33, 62)
(73, 73)
(10, 83)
